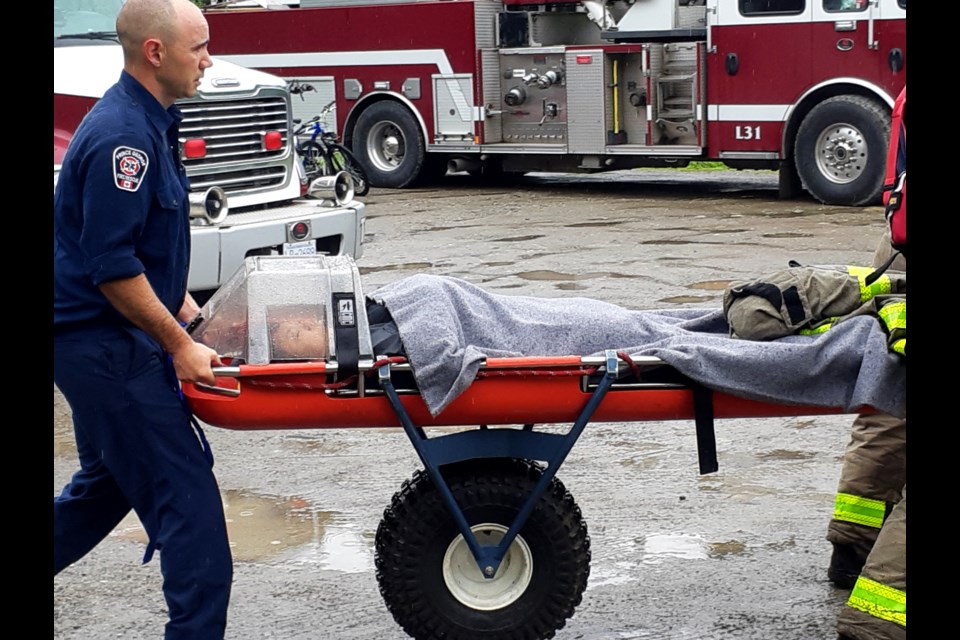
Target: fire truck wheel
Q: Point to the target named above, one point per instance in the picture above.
(841, 150)
(430, 581)
(389, 144)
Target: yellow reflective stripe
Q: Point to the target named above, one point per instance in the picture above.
(899, 346)
(820, 328)
(879, 287)
(894, 315)
(859, 510)
(879, 601)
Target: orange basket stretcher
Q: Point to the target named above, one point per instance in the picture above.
(505, 401)
(507, 391)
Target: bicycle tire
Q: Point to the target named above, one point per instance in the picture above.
(315, 159)
(342, 159)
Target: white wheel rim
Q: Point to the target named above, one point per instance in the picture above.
(841, 153)
(466, 582)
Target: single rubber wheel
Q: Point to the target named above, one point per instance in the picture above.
(342, 159)
(841, 150)
(389, 145)
(314, 159)
(430, 580)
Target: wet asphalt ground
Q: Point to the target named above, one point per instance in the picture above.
(737, 554)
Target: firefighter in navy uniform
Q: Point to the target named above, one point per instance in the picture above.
(868, 529)
(121, 257)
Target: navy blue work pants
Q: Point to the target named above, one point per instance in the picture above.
(139, 450)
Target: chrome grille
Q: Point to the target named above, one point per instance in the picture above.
(233, 130)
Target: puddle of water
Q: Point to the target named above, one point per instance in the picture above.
(710, 285)
(340, 549)
(549, 275)
(737, 490)
(465, 226)
(519, 238)
(419, 266)
(786, 454)
(546, 274)
(803, 423)
(617, 573)
(795, 213)
(571, 286)
(789, 543)
(262, 527)
(686, 299)
(604, 223)
(728, 548)
(787, 234)
(684, 546)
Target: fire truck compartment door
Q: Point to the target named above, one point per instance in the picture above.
(453, 106)
(586, 119)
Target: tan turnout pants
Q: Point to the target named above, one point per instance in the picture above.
(875, 469)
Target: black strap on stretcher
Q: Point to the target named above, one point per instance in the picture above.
(706, 436)
(346, 334)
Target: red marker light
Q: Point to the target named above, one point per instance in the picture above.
(300, 231)
(584, 59)
(195, 148)
(272, 140)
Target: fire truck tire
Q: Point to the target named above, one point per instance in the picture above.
(430, 581)
(389, 144)
(841, 150)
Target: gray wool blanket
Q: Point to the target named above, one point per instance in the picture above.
(448, 326)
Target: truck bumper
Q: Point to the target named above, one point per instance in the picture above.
(216, 252)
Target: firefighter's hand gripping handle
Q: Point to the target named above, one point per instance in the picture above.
(222, 372)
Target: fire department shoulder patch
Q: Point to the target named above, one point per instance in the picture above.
(129, 167)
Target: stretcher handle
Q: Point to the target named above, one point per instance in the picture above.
(221, 372)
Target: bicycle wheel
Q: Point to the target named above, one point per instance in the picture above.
(343, 159)
(314, 158)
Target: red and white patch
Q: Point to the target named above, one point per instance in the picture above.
(129, 168)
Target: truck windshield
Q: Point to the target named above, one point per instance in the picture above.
(85, 19)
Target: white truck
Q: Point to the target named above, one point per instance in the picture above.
(249, 195)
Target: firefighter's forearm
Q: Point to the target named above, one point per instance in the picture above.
(136, 300)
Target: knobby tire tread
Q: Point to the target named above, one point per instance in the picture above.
(417, 528)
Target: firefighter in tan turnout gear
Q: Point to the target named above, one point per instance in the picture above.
(868, 529)
(869, 519)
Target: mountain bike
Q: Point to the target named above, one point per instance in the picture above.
(321, 152)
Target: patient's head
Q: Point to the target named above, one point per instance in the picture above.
(297, 332)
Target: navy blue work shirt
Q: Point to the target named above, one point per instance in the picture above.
(121, 207)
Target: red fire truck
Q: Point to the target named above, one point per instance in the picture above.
(495, 86)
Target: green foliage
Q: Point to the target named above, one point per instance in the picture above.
(706, 166)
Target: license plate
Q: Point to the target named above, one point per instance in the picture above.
(305, 248)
